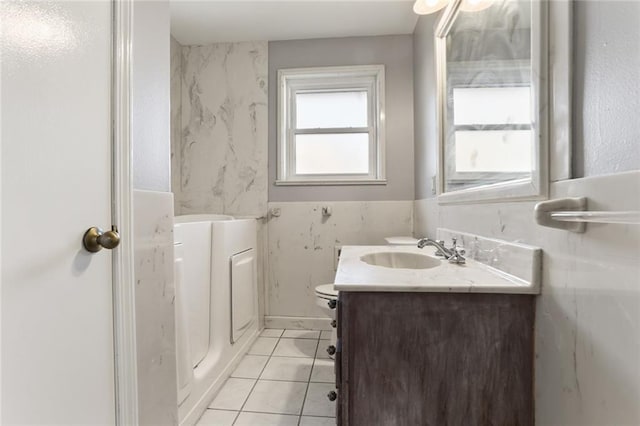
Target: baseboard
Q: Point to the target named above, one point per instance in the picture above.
(297, 323)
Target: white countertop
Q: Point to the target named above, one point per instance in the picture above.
(473, 277)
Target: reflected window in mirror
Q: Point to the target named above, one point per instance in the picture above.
(490, 73)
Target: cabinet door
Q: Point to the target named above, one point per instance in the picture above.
(436, 359)
(338, 363)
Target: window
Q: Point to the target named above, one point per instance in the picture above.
(331, 126)
(490, 133)
(492, 129)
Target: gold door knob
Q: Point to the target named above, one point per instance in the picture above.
(95, 239)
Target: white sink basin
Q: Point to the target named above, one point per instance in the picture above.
(400, 260)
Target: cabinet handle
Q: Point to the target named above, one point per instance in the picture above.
(331, 350)
(332, 304)
(332, 396)
(334, 323)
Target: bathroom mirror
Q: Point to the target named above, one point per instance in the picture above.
(491, 106)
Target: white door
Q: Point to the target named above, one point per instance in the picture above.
(56, 299)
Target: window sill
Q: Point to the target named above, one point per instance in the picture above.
(330, 182)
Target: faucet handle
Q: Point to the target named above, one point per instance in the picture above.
(456, 249)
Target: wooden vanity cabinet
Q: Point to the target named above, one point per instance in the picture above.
(435, 359)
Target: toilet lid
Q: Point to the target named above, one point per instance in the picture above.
(327, 290)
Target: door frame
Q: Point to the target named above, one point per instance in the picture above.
(124, 318)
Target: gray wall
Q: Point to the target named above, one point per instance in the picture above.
(396, 53)
(150, 96)
(424, 106)
(606, 89)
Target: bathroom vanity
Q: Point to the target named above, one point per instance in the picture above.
(431, 343)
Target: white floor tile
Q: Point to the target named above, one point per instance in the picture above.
(322, 349)
(323, 371)
(317, 403)
(262, 419)
(272, 332)
(287, 368)
(302, 334)
(250, 367)
(233, 394)
(217, 418)
(296, 348)
(276, 397)
(263, 346)
(317, 421)
(326, 334)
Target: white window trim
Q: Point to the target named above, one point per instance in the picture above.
(293, 80)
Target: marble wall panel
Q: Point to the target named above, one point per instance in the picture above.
(302, 241)
(588, 314)
(176, 116)
(223, 148)
(155, 294)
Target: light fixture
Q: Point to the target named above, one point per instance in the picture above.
(425, 7)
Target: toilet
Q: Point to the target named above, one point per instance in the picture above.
(327, 296)
(327, 301)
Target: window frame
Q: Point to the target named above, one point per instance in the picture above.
(369, 78)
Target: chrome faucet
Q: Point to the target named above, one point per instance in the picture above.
(453, 255)
(439, 244)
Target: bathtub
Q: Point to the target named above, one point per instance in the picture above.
(216, 304)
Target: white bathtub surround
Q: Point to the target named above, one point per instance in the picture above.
(223, 148)
(286, 390)
(588, 313)
(155, 291)
(219, 133)
(302, 249)
(218, 266)
(440, 276)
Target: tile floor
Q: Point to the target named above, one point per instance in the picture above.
(283, 380)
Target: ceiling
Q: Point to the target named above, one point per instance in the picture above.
(209, 21)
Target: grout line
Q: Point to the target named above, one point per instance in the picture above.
(293, 356)
(273, 412)
(257, 380)
(308, 382)
(301, 338)
(306, 392)
(287, 380)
